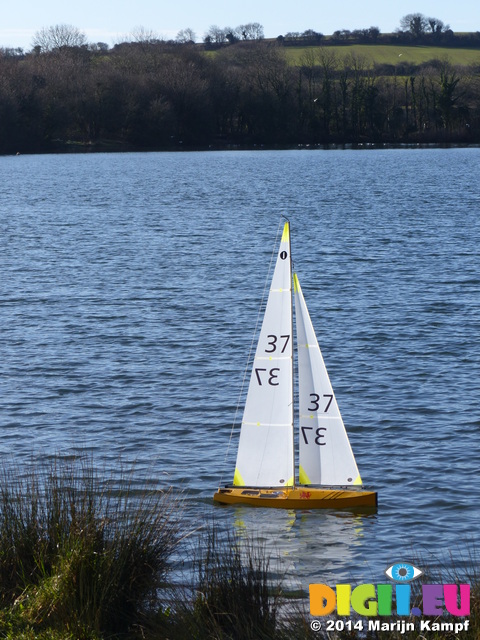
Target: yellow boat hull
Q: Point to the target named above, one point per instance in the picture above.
(298, 498)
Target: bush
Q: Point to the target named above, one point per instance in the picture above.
(82, 554)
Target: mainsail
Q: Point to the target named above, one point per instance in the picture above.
(265, 454)
(325, 455)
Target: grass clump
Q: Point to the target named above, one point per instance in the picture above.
(234, 594)
(237, 594)
(79, 554)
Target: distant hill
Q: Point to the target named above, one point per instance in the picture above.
(392, 54)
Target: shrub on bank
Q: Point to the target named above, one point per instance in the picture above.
(81, 554)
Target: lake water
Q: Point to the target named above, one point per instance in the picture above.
(130, 287)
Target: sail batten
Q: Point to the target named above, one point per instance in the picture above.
(268, 424)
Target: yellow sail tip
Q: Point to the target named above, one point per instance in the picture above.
(358, 480)
(286, 232)
(302, 476)
(237, 479)
(296, 284)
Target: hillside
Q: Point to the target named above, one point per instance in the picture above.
(391, 53)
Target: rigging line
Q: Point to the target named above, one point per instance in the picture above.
(252, 345)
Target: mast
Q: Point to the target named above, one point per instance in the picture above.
(293, 353)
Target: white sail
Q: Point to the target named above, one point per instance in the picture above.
(265, 454)
(325, 455)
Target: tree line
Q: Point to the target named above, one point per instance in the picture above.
(415, 28)
(150, 94)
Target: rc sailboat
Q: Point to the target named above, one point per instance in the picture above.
(328, 475)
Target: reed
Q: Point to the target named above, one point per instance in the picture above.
(81, 554)
(232, 596)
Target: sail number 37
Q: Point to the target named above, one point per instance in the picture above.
(320, 431)
(273, 344)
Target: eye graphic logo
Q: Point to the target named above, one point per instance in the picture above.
(403, 572)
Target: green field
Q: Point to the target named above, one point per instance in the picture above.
(391, 54)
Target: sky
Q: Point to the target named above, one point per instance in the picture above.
(112, 21)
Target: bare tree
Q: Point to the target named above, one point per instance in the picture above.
(186, 35)
(58, 36)
(250, 31)
(436, 25)
(145, 36)
(414, 23)
(216, 35)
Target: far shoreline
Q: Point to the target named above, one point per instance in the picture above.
(85, 149)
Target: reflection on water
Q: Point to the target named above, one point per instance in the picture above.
(308, 546)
